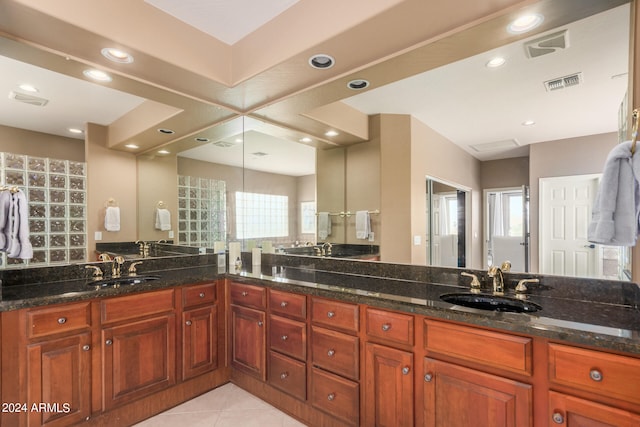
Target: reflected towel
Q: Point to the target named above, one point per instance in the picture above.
(5, 219)
(163, 219)
(614, 218)
(363, 225)
(20, 246)
(112, 218)
(324, 225)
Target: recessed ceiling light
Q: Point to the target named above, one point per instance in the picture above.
(166, 131)
(28, 88)
(358, 84)
(525, 23)
(331, 133)
(528, 123)
(133, 146)
(117, 55)
(306, 139)
(496, 62)
(202, 139)
(97, 75)
(238, 140)
(321, 61)
(163, 152)
(75, 130)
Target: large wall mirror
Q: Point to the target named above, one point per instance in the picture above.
(441, 110)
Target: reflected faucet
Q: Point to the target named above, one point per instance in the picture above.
(326, 249)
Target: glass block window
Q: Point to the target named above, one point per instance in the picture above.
(261, 215)
(202, 211)
(56, 192)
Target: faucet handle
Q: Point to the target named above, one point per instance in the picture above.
(475, 283)
(132, 268)
(522, 288)
(506, 266)
(97, 272)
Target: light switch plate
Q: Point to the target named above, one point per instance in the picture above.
(98, 235)
(417, 240)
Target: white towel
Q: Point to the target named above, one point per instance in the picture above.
(112, 218)
(614, 218)
(163, 219)
(20, 244)
(324, 225)
(5, 219)
(363, 225)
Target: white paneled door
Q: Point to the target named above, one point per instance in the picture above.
(565, 212)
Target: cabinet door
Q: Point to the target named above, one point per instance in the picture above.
(59, 381)
(199, 341)
(457, 396)
(248, 345)
(388, 395)
(139, 359)
(571, 411)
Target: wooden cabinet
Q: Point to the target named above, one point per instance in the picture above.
(459, 396)
(199, 330)
(569, 411)
(58, 361)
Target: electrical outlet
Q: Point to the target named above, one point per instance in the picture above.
(372, 237)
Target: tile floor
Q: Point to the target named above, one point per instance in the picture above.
(226, 406)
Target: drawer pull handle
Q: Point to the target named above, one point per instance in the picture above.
(201, 295)
(331, 353)
(331, 396)
(557, 418)
(188, 323)
(406, 370)
(284, 338)
(595, 375)
(284, 375)
(108, 342)
(260, 323)
(428, 377)
(331, 314)
(86, 347)
(386, 327)
(62, 320)
(245, 293)
(283, 304)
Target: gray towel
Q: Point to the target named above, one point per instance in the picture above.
(614, 218)
(5, 219)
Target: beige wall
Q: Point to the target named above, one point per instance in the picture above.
(331, 185)
(504, 173)
(306, 193)
(157, 181)
(20, 141)
(566, 157)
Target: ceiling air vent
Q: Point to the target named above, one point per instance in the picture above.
(496, 145)
(223, 144)
(562, 82)
(28, 99)
(548, 44)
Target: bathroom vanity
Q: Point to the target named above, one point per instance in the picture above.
(331, 342)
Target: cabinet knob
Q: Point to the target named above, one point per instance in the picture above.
(62, 320)
(557, 418)
(386, 327)
(595, 375)
(331, 353)
(260, 323)
(330, 314)
(283, 304)
(245, 293)
(284, 375)
(108, 342)
(406, 370)
(428, 377)
(188, 323)
(331, 396)
(86, 347)
(201, 295)
(284, 338)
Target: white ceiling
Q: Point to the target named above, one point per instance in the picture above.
(465, 102)
(227, 20)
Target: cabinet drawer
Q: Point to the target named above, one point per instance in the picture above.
(334, 314)
(288, 337)
(389, 326)
(494, 349)
(248, 295)
(596, 372)
(134, 306)
(198, 295)
(288, 304)
(58, 319)
(336, 396)
(335, 352)
(288, 375)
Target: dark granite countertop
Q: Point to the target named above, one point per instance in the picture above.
(600, 324)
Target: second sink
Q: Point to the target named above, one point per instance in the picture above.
(491, 302)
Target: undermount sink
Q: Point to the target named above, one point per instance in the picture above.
(123, 281)
(491, 302)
